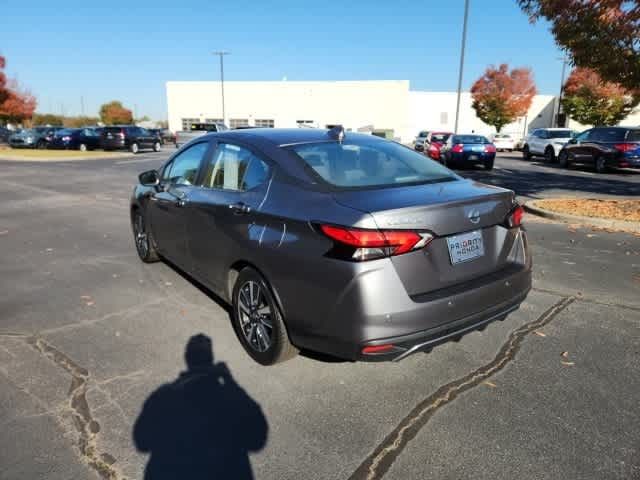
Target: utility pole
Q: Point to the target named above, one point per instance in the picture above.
(464, 41)
(565, 60)
(221, 54)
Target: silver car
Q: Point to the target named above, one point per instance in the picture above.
(345, 244)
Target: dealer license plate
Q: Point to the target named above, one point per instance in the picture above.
(465, 247)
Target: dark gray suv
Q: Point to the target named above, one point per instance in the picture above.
(349, 245)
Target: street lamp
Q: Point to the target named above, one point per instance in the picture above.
(464, 41)
(565, 61)
(221, 54)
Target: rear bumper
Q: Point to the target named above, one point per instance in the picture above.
(472, 157)
(425, 340)
(374, 308)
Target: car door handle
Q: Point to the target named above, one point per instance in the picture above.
(240, 208)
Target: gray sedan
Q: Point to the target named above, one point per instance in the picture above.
(340, 243)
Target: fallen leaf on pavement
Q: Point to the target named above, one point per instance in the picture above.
(636, 278)
(4, 232)
(567, 363)
(490, 384)
(86, 297)
(168, 284)
(591, 235)
(540, 334)
(89, 304)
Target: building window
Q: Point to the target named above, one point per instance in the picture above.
(187, 122)
(238, 122)
(265, 123)
(444, 118)
(305, 123)
(213, 120)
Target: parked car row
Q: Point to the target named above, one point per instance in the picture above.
(600, 147)
(116, 137)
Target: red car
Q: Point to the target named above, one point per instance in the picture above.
(434, 142)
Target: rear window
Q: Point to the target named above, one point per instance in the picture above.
(633, 136)
(559, 133)
(469, 139)
(354, 164)
(608, 134)
(440, 137)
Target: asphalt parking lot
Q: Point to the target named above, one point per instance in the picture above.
(89, 335)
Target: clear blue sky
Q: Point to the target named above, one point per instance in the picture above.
(127, 50)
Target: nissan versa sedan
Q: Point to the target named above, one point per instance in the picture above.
(345, 244)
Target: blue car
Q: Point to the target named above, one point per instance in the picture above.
(82, 139)
(468, 149)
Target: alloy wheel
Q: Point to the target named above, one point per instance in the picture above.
(255, 315)
(142, 240)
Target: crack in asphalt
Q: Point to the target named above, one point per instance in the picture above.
(85, 424)
(378, 463)
(583, 298)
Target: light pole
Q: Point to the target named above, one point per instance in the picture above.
(565, 60)
(464, 41)
(221, 54)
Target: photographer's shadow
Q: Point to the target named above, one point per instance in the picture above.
(201, 426)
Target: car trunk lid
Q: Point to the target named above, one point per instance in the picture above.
(456, 211)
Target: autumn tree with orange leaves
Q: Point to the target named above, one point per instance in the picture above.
(16, 104)
(113, 113)
(591, 101)
(500, 96)
(600, 34)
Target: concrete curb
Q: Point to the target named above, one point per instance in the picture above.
(622, 225)
(17, 158)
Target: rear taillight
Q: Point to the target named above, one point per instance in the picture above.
(514, 219)
(626, 147)
(370, 244)
(490, 148)
(457, 148)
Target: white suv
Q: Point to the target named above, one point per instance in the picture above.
(546, 142)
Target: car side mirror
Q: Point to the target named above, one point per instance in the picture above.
(150, 178)
(573, 140)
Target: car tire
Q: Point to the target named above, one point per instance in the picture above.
(257, 320)
(134, 148)
(41, 145)
(488, 164)
(157, 147)
(601, 164)
(549, 155)
(145, 245)
(526, 153)
(563, 159)
(82, 147)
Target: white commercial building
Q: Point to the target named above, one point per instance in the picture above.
(385, 106)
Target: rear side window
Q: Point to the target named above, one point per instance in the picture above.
(369, 164)
(183, 170)
(234, 168)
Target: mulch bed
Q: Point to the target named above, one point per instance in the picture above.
(628, 210)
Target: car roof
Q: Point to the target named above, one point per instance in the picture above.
(554, 128)
(288, 136)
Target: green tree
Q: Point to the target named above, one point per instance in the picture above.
(114, 113)
(500, 96)
(48, 119)
(592, 101)
(600, 34)
(80, 121)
